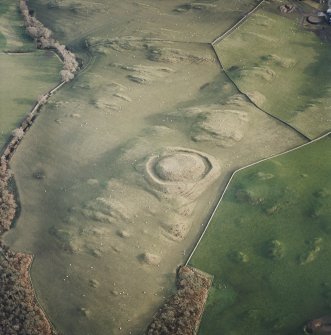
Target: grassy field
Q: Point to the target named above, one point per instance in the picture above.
(72, 21)
(25, 76)
(269, 247)
(283, 67)
(12, 35)
(96, 211)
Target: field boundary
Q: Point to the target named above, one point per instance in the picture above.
(238, 24)
(213, 44)
(234, 174)
(220, 39)
(8, 179)
(9, 148)
(254, 104)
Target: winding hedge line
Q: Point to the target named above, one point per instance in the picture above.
(44, 38)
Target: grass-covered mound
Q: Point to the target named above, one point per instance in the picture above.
(269, 247)
(283, 67)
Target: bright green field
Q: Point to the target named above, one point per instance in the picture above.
(286, 63)
(24, 76)
(269, 247)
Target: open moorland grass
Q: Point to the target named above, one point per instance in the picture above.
(283, 67)
(269, 247)
(112, 195)
(73, 21)
(24, 75)
(123, 165)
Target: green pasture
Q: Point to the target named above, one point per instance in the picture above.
(283, 66)
(269, 247)
(24, 78)
(12, 32)
(26, 73)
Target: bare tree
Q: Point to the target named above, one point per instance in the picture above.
(44, 39)
(66, 75)
(18, 133)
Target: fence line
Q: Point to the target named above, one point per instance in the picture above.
(9, 148)
(310, 141)
(239, 23)
(253, 103)
(244, 168)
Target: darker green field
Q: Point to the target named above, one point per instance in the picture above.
(269, 247)
(3, 41)
(4, 7)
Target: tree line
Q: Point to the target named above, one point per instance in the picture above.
(45, 40)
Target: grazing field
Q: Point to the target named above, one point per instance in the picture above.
(112, 196)
(269, 246)
(12, 34)
(283, 67)
(133, 154)
(25, 74)
(173, 20)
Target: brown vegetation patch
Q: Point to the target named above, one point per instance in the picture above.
(7, 201)
(182, 312)
(19, 311)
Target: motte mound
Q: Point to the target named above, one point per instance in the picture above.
(180, 172)
(181, 166)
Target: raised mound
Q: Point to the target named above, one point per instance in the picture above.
(222, 124)
(181, 166)
(180, 171)
(261, 72)
(150, 259)
(257, 97)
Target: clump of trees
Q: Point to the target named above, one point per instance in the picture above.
(7, 200)
(19, 312)
(181, 314)
(43, 37)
